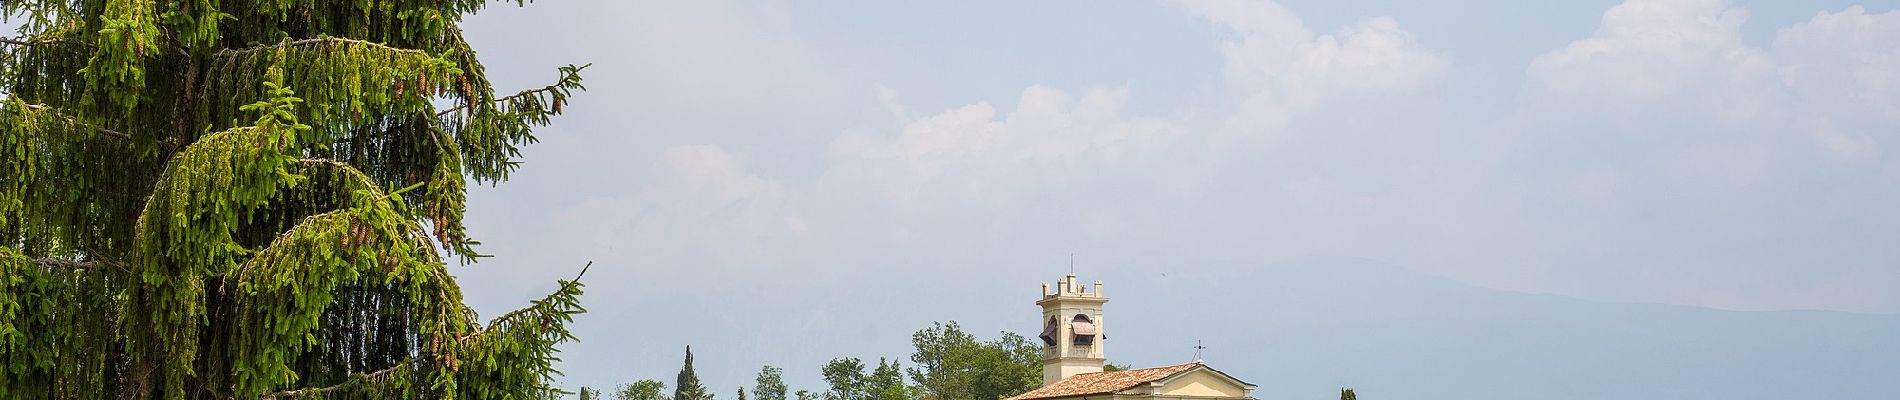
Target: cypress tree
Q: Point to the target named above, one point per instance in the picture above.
(243, 199)
(686, 386)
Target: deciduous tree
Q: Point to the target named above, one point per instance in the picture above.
(846, 378)
(887, 382)
(645, 389)
(952, 364)
(770, 384)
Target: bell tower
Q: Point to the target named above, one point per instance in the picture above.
(1072, 329)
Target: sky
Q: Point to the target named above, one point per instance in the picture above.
(787, 182)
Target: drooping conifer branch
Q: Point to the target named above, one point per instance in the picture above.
(489, 134)
(345, 83)
(282, 293)
(326, 41)
(489, 355)
(541, 309)
(356, 381)
(497, 353)
(44, 38)
(20, 42)
(57, 263)
(563, 87)
(127, 40)
(62, 176)
(55, 114)
(246, 197)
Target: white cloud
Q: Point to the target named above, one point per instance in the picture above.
(708, 196)
(1281, 68)
(1650, 54)
(708, 55)
(703, 204)
(980, 173)
(1832, 77)
(1700, 154)
(1845, 69)
(971, 153)
(699, 203)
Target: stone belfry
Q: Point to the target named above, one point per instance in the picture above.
(1072, 329)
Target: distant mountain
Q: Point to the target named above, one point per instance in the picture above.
(1300, 330)
(1303, 329)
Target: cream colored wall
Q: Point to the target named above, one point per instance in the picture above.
(1153, 397)
(1198, 384)
(1055, 370)
(1201, 383)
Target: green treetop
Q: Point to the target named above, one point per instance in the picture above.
(846, 378)
(243, 199)
(686, 386)
(886, 382)
(770, 384)
(848, 381)
(645, 389)
(952, 364)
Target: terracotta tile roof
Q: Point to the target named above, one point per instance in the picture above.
(1103, 382)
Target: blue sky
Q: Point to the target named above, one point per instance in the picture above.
(785, 182)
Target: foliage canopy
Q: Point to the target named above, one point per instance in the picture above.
(770, 385)
(952, 364)
(848, 381)
(205, 199)
(647, 389)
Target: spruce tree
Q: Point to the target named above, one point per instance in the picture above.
(687, 386)
(243, 199)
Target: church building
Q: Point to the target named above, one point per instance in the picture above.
(1074, 350)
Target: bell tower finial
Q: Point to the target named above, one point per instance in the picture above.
(1072, 332)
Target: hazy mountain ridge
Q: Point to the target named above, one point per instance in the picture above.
(1301, 328)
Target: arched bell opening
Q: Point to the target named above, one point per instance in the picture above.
(1049, 331)
(1084, 329)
